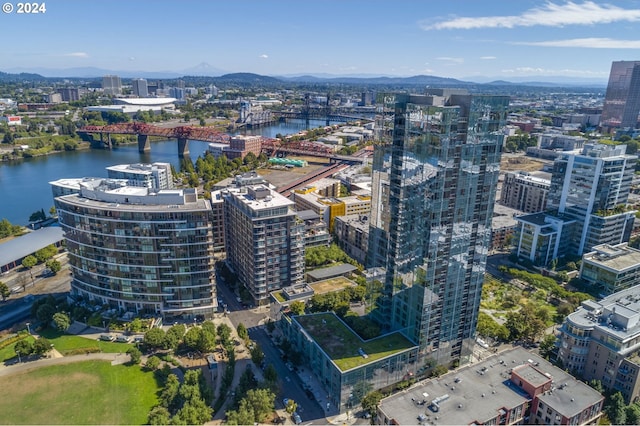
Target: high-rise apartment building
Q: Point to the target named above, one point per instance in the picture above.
(264, 240)
(155, 175)
(140, 88)
(525, 192)
(588, 198)
(140, 250)
(111, 85)
(592, 188)
(622, 100)
(69, 94)
(433, 195)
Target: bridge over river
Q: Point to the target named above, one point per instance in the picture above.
(269, 146)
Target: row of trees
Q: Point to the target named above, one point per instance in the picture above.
(186, 403)
(203, 339)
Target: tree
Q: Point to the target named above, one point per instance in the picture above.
(370, 401)
(243, 416)
(52, 211)
(46, 253)
(297, 307)
(23, 347)
(224, 333)
(155, 338)
(291, 406)
(152, 363)
(207, 341)
(270, 374)
(547, 345)
(29, 262)
(242, 331)
(192, 337)
(54, 266)
(615, 409)
(61, 321)
(37, 216)
(262, 402)
(45, 312)
(41, 346)
(135, 355)
(159, 415)
(4, 291)
(257, 356)
(174, 336)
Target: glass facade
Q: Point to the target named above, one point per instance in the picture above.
(622, 100)
(433, 195)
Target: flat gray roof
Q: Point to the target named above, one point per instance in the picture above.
(27, 244)
(332, 271)
(477, 392)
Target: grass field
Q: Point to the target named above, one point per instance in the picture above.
(67, 344)
(342, 344)
(9, 351)
(89, 392)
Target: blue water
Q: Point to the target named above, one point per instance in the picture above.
(24, 185)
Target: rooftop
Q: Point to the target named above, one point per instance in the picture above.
(330, 272)
(617, 258)
(476, 392)
(342, 345)
(19, 247)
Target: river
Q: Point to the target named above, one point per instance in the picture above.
(24, 185)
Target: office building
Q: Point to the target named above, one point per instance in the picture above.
(264, 240)
(611, 269)
(433, 196)
(140, 88)
(622, 99)
(525, 192)
(513, 387)
(155, 175)
(601, 341)
(112, 85)
(139, 250)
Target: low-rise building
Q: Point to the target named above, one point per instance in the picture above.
(512, 387)
(541, 237)
(525, 191)
(343, 362)
(352, 235)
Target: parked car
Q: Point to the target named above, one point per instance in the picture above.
(107, 337)
(296, 418)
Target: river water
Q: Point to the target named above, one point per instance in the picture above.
(24, 185)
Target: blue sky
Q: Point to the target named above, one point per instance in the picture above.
(456, 38)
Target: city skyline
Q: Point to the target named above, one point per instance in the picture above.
(477, 41)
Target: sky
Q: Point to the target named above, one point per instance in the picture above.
(464, 39)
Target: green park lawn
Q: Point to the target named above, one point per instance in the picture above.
(67, 344)
(88, 392)
(9, 352)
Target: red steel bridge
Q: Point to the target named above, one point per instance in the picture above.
(272, 147)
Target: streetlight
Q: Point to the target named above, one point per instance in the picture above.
(28, 329)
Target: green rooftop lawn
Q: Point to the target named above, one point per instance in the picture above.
(342, 344)
(331, 284)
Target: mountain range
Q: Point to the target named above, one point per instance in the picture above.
(207, 72)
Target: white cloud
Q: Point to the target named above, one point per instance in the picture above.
(77, 54)
(132, 58)
(553, 72)
(593, 43)
(487, 58)
(263, 56)
(549, 15)
(451, 59)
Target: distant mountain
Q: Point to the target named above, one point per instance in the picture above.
(204, 69)
(7, 77)
(93, 72)
(245, 77)
(551, 81)
(426, 80)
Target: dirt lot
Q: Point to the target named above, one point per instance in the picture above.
(520, 163)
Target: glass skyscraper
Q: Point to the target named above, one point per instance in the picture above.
(434, 188)
(622, 100)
